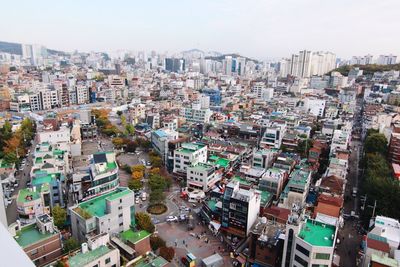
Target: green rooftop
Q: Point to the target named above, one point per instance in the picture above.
(29, 235)
(97, 205)
(157, 262)
(317, 233)
(134, 236)
(222, 162)
(211, 203)
(38, 160)
(241, 180)
(26, 195)
(265, 197)
(82, 259)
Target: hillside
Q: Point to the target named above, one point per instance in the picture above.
(221, 57)
(16, 49)
(367, 69)
(12, 48)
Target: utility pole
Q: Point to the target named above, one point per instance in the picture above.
(373, 211)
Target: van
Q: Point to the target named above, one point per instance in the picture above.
(144, 196)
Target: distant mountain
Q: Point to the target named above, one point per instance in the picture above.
(222, 56)
(12, 48)
(16, 49)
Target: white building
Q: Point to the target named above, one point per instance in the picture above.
(308, 243)
(109, 213)
(314, 106)
(197, 114)
(160, 139)
(187, 155)
(202, 176)
(387, 59)
(273, 135)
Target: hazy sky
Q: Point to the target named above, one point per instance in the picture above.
(261, 29)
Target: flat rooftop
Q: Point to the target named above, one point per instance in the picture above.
(82, 259)
(29, 235)
(97, 205)
(134, 236)
(156, 262)
(318, 234)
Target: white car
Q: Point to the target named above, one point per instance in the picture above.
(171, 219)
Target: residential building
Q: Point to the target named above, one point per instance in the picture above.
(32, 202)
(104, 178)
(160, 139)
(202, 176)
(189, 154)
(308, 243)
(296, 189)
(113, 212)
(263, 158)
(40, 240)
(240, 209)
(387, 59)
(272, 181)
(273, 135)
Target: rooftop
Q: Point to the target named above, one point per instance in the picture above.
(29, 235)
(97, 205)
(241, 180)
(222, 162)
(134, 236)
(156, 262)
(82, 259)
(26, 195)
(317, 233)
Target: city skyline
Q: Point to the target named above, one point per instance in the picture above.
(223, 26)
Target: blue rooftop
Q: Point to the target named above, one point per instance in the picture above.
(160, 133)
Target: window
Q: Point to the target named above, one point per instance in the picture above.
(300, 261)
(322, 256)
(303, 250)
(34, 252)
(319, 265)
(120, 200)
(108, 260)
(121, 224)
(120, 215)
(120, 208)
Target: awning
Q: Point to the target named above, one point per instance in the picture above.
(215, 225)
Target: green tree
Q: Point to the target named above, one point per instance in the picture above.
(59, 215)
(130, 129)
(157, 196)
(123, 121)
(157, 182)
(10, 158)
(143, 221)
(70, 244)
(303, 147)
(156, 242)
(376, 142)
(134, 184)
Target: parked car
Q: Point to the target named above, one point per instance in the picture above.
(171, 219)
(182, 217)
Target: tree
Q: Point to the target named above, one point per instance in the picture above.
(119, 113)
(130, 129)
(10, 158)
(138, 168)
(123, 121)
(131, 146)
(143, 221)
(154, 171)
(303, 147)
(70, 244)
(59, 215)
(167, 253)
(376, 142)
(137, 175)
(135, 185)
(118, 142)
(157, 196)
(156, 242)
(14, 145)
(156, 161)
(157, 182)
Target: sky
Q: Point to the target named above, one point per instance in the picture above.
(260, 29)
